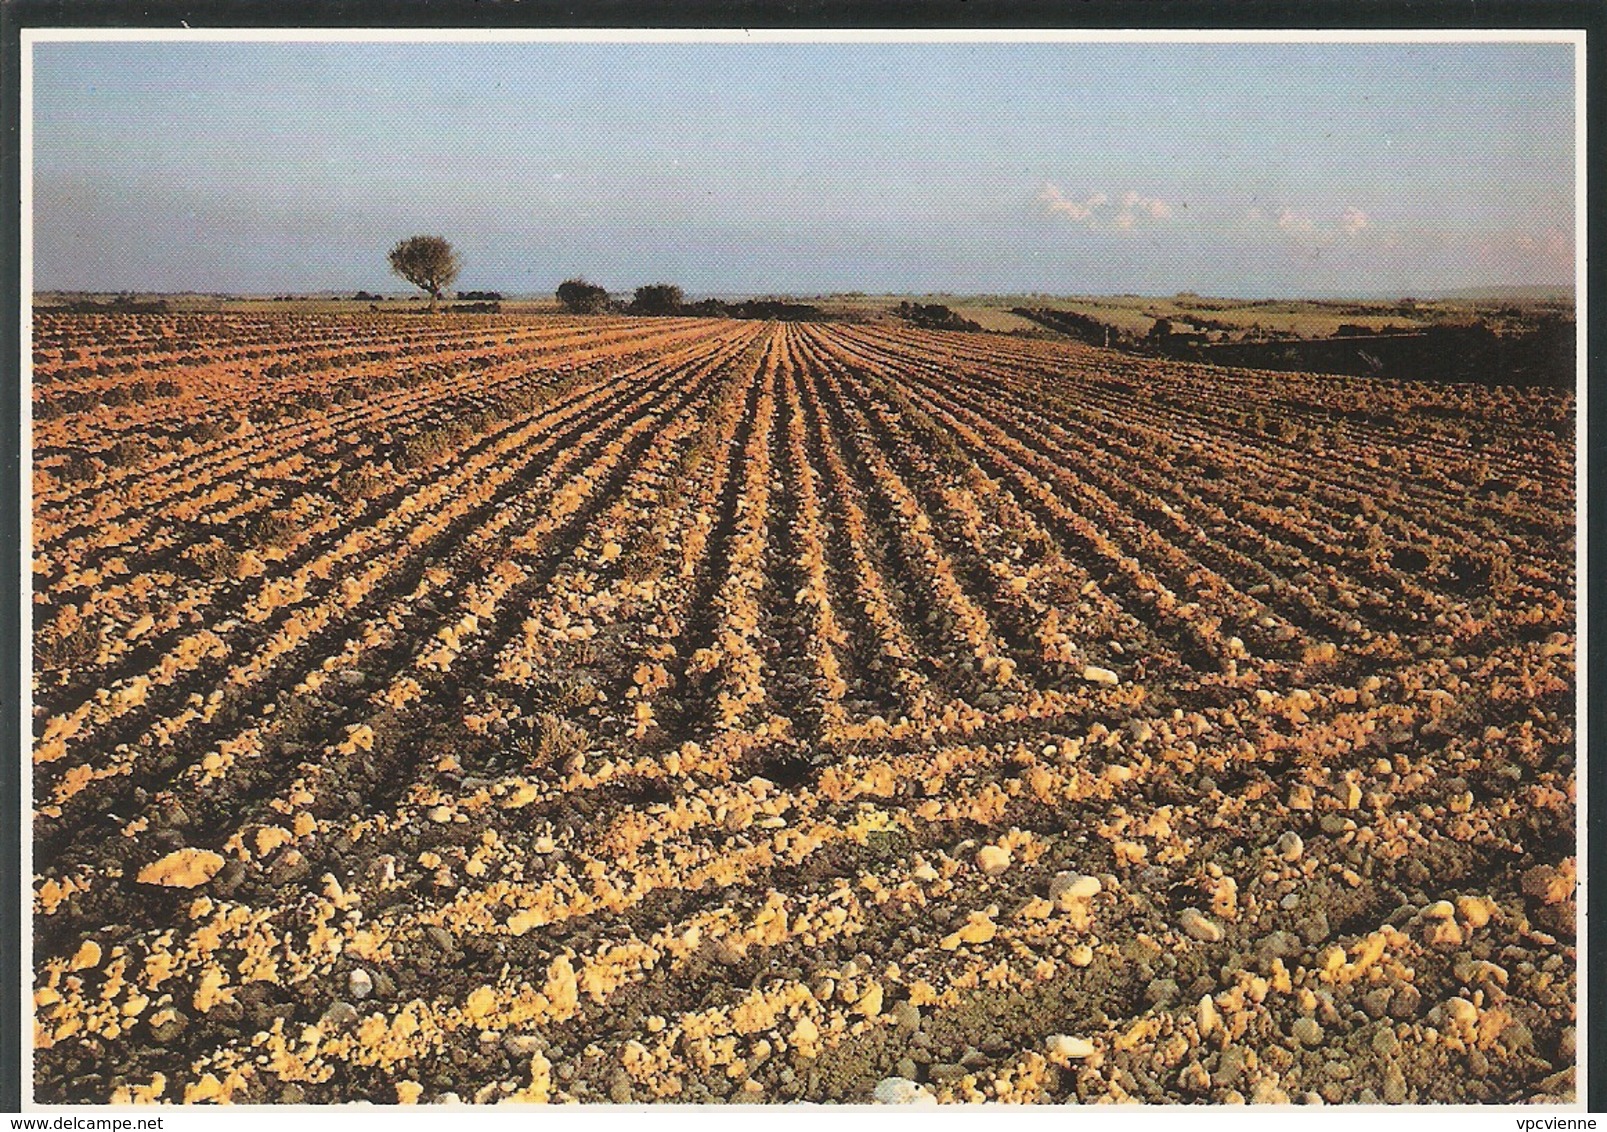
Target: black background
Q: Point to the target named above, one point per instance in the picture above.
(978, 14)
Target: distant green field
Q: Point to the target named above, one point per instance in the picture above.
(1234, 318)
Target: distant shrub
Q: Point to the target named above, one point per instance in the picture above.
(933, 316)
(124, 304)
(769, 309)
(581, 297)
(266, 412)
(642, 560)
(658, 298)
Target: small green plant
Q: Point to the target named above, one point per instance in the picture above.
(128, 452)
(216, 559)
(273, 528)
(433, 444)
(551, 740)
(66, 650)
(359, 483)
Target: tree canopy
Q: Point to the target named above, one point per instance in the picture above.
(658, 298)
(427, 262)
(582, 297)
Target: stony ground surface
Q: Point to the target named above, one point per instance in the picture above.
(533, 709)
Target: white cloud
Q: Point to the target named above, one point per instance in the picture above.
(1136, 206)
(1539, 255)
(1130, 209)
(1304, 228)
(1291, 221)
(1079, 210)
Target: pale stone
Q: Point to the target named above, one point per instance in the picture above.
(87, 957)
(1461, 1012)
(992, 860)
(1198, 926)
(182, 868)
(1442, 934)
(899, 1090)
(1266, 1091)
(805, 1032)
(1476, 910)
(1551, 884)
(1063, 1047)
(978, 928)
(524, 1046)
(1068, 888)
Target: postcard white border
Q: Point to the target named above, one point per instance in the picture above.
(611, 1117)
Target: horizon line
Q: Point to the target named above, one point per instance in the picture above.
(1570, 288)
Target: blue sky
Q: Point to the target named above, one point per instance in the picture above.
(732, 168)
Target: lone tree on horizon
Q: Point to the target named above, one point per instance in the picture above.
(427, 262)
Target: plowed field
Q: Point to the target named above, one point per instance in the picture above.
(520, 709)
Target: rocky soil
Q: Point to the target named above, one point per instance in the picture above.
(493, 709)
